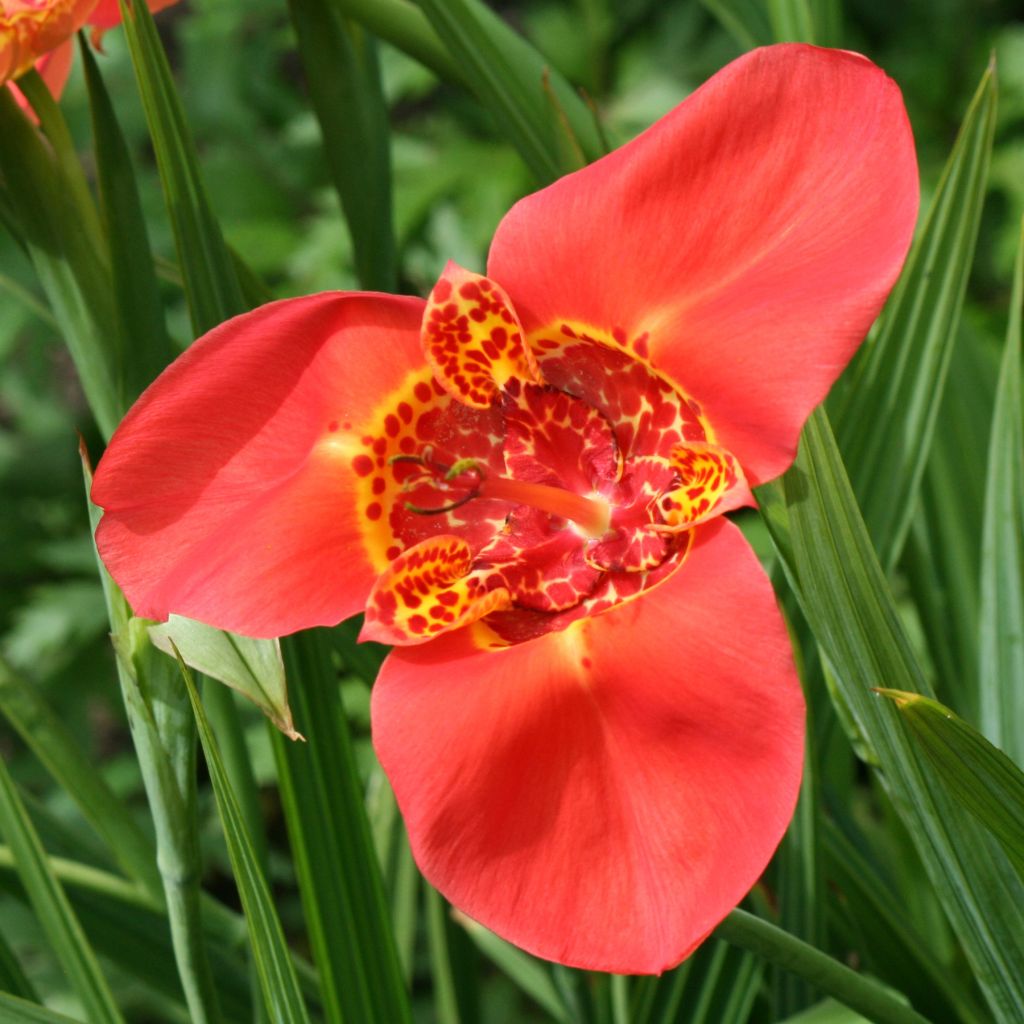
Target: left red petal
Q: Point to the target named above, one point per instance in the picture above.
(603, 796)
(228, 491)
(744, 243)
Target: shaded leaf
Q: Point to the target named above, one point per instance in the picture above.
(57, 919)
(979, 776)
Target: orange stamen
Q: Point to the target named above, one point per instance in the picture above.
(593, 515)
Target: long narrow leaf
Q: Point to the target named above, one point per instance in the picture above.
(403, 25)
(830, 976)
(886, 418)
(339, 879)
(535, 107)
(891, 949)
(59, 226)
(58, 921)
(847, 601)
(19, 1011)
(48, 738)
(340, 60)
(211, 284)
(531, 975)
(279, 984)
(980, 777)
(145, 346)
(164, 741)
(12, 977)
(1001, 619)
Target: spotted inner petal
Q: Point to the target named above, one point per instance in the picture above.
(427, 590)
(515, 488)
(711, 482)
(472, 339)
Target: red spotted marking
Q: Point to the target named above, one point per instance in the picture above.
(428, 590)
(473, 340)
(710, 483)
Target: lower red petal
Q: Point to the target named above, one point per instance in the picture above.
(229, 492)
(603, 796)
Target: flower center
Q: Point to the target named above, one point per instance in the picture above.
(531, 481)
(468, 479)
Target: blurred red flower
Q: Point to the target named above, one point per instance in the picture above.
(39, 33)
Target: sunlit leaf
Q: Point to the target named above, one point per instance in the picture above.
(886, 414)
(849, 606)
(278, 982)
(252, 667)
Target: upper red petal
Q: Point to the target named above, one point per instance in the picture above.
(603, 796)
(754, 231)
(228, 489)
(107, 13)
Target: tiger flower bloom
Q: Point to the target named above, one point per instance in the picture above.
(39, 34)
(590, 718)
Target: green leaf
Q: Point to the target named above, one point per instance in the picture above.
(401, 879)
(19, 1011)
(211, 284)
(534, 106)
(978, 775)
(145, 345)
(252, 667)
(800, 882)
(164, 739)
(343, 73)
(847, 602)
(830, 976)
(531, 975)
(59, 225)
(942, 557)
(792, 21)
(278, 982)
(48, 738)
(339, 878)
(886, 414)
(828, 1012)
(885, 939)
(1001, 617)
(748, 21)
(453, 965)
(58, 921)
(12, 977)
(404, 26)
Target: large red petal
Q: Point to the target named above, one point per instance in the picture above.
(754, 232)
(228, 489)
(603, 796)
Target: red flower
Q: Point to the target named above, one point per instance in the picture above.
(29, 29)
(591, 722)
(38, 33)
